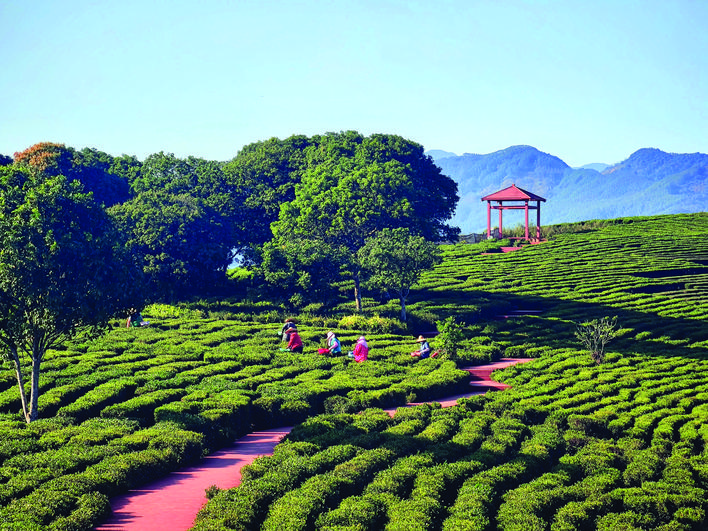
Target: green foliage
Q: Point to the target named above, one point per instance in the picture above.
(183, 244)
(449, 338)
(62, 270)
(595, 334)
(394, 259)
(262, 177)
(355, 186)
(302, 270)
(106, 177)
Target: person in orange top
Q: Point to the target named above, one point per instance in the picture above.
(295, 342)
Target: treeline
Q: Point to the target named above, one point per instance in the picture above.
(296, 211)
(87, 236)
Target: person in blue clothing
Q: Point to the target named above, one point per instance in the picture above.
(287, 327)
(423, 350)
(333, 344)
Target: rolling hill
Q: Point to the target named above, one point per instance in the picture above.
(649, 182)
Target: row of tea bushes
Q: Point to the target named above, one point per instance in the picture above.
(570, 446)
(147, 401)
(67, 485)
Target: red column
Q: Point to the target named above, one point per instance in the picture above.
(538, 220)
(526, 216)
(501, 232)
(489, 219)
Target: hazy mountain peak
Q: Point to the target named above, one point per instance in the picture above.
(649, 182)
(440, 154)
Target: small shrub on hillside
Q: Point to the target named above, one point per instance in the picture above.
(211, 491)
(595, 334)
(351, 322)
(168, 311)
(382, 325)
(373, 324)
(448, 340)
(480, 354)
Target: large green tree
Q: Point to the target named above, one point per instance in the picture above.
(394, 260)
(354, 186)
(62, 270)
(183, 244)
(302, 270)
(183, 222)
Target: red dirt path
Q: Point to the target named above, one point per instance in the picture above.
(480, 383)
(171, 503)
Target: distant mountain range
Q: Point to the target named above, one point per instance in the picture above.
(649, 182)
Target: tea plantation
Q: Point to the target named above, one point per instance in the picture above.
(572, 445)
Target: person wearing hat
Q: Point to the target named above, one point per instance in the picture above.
(334, 346)
(285, 330)
(361, 350)
(424, 349)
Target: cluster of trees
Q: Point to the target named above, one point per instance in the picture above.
(87, 235)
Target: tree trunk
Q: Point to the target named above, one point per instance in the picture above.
(20, 383)
(34, 396)
(357, 292)
(402, 295)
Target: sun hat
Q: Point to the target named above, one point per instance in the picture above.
(361, 338)
(330, 334)
(420, 339)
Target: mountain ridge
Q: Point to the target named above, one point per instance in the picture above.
(649, 182)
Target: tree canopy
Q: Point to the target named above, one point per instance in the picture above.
(261, 178)
(394, 260)
(297, 209)
(97, 171)
(355, 186)
(182, 244)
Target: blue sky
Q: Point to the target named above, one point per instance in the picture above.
(587, 81)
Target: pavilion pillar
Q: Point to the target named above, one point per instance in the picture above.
(489, 219)
(526, 217)
(538, 220)
(501, 231)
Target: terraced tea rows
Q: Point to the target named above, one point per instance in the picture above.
(139, 402)
(572, 445)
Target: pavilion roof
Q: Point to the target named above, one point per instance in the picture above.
(513, 193)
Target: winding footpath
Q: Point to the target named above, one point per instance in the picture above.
(171, 503)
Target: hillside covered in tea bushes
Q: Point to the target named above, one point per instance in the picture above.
(572, 444)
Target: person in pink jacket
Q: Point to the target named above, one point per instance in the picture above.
(361, 350)
(295, 343)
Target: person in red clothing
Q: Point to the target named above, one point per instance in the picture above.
(295, 342)
(361, 350)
